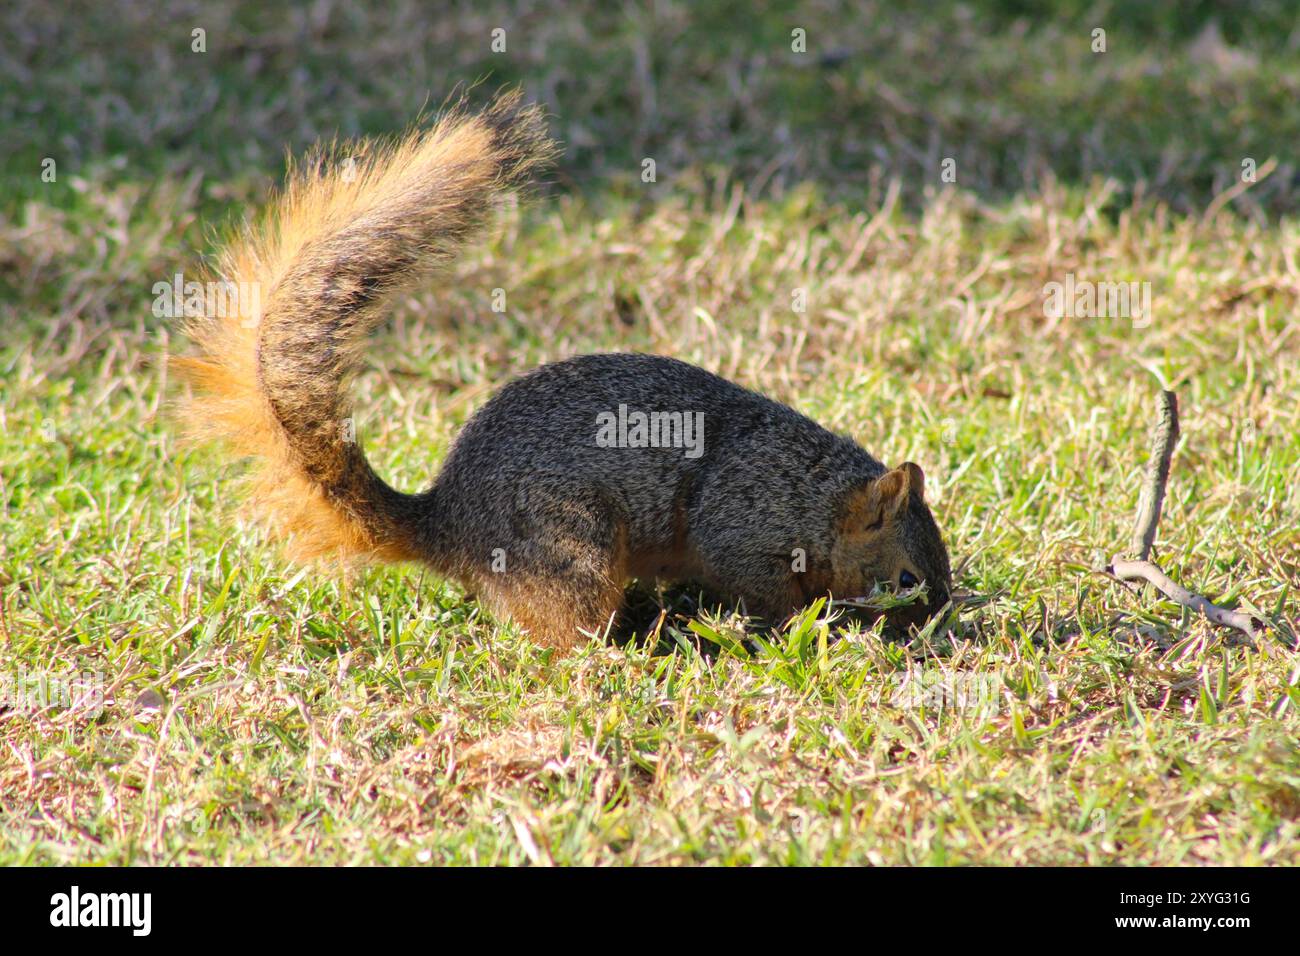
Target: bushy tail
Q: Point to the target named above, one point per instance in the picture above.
(346, 235)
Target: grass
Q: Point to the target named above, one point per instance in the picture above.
(256, 713)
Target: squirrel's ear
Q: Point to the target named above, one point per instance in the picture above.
(915, 477)
(890, 490)
(873, 502)
(893, 487)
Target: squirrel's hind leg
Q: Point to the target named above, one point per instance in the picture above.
(561, 612)
(564, 583)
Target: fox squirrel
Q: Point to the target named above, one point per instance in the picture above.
(565, 484)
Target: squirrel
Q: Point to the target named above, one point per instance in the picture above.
(572, 479)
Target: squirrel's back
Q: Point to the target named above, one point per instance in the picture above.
(653, 436)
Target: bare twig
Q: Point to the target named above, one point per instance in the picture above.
(1163, 440)
(1149, 571)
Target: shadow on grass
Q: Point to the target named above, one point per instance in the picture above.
(848, 95)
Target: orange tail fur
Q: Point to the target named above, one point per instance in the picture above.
(345, 236)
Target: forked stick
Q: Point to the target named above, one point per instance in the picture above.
(1163, 440)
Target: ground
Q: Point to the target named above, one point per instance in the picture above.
(207, 702)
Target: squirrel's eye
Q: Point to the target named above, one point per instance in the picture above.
(907, 580)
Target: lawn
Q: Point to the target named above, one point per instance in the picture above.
(178, 693)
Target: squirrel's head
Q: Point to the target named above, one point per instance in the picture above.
(885, 535)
